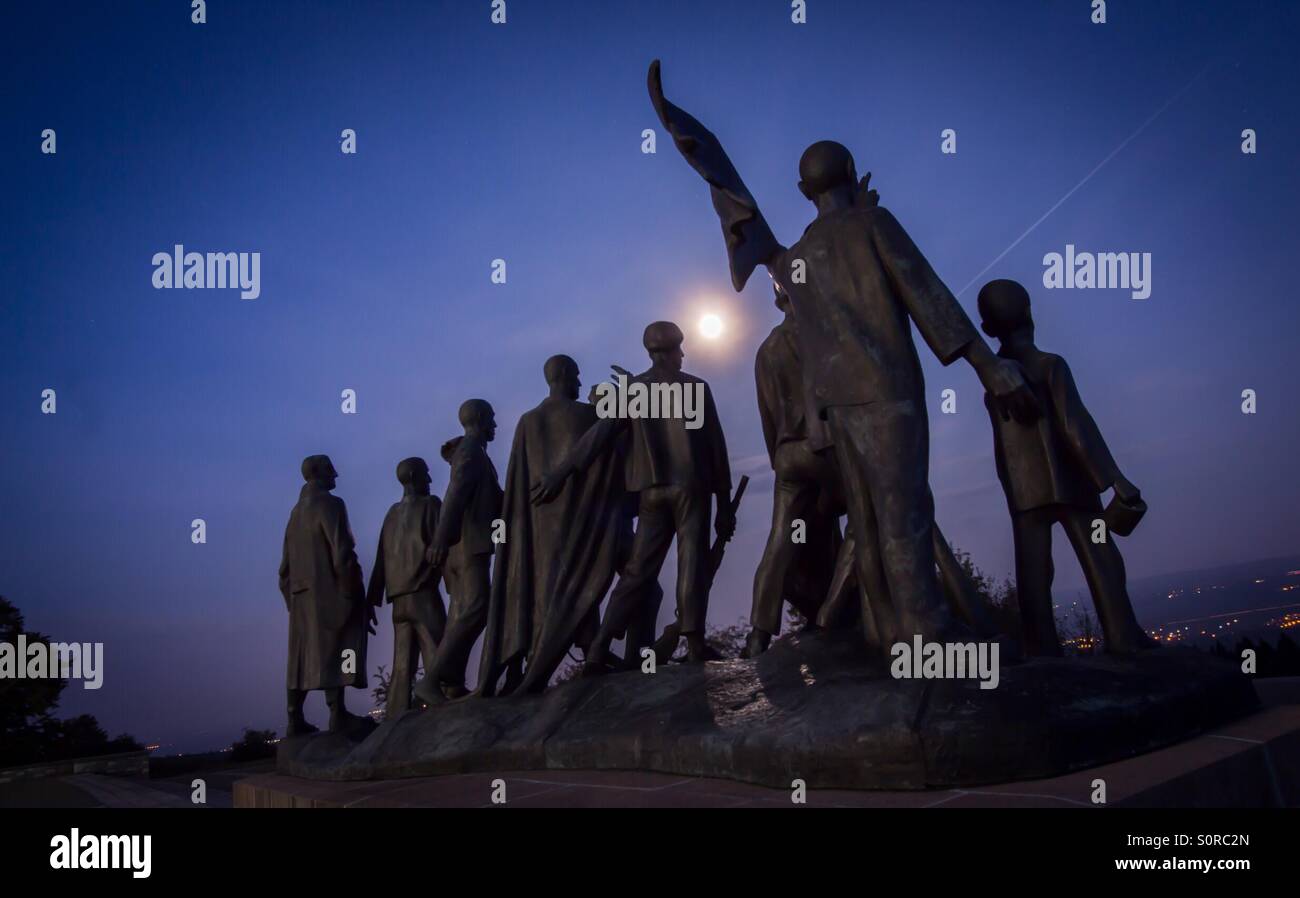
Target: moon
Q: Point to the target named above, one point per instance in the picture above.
(710, 326)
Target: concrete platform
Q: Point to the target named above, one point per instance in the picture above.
(1253, 762)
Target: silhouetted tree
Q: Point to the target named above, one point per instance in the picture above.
(255, 746)
(29, 733)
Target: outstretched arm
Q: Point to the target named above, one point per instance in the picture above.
(750, 242)
(944, 324)
(375, 593)
(591, 444)
(1083, 438)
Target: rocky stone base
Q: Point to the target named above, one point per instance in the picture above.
(814, 708)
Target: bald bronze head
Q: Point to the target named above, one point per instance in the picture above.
(1004, 308)
(413, 475)
(478, 418)
(826, 166)
(319, 469)
(562, 376)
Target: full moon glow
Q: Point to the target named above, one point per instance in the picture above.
(710, 326)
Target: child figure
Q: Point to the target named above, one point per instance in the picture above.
(1053, 472)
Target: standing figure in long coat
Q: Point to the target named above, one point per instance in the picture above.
(329, 617)
(558, 560)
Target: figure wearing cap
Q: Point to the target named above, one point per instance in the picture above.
(677, 472)
(1053, 471)
(402, 571)
(329, 616)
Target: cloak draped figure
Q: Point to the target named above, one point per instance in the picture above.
(558, 559)
(678, 472)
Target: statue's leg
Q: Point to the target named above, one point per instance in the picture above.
(467, 623)
(654, 535)
(889, 444)
(791, 500)
(879, 617)
(1032, 534)
(340, 717)
(1103, 567)
(959, 590)
(298, 724)
(691, 523)
(431, 625)
(399, 684)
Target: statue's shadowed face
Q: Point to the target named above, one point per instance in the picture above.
(572, 384)
(421, 481)
(671, 359)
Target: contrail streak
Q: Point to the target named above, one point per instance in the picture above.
(1096, 168)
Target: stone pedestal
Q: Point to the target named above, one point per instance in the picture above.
(812, 708)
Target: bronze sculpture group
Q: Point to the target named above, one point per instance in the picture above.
(841, 398)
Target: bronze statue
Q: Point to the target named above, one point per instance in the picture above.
(404, 573)
(329, 616)
(1053, 471)
(857, 283)
(803, 494)
(463, 546)
(641, 630)
(559, 558)
(676, 469)
(819, 581)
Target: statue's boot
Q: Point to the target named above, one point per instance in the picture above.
(514, 676)
(756, 643)
(341, 718)
(666, 644)
(595, 669)
(426, 692)
(698, 651)
(298, 725)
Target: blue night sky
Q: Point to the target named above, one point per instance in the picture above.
(523, 142)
